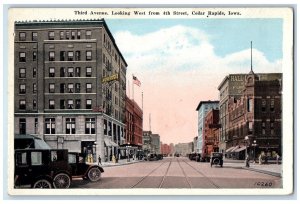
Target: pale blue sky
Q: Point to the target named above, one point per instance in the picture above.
(226, 35)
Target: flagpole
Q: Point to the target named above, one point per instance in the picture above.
(132, 88)
(128, 88)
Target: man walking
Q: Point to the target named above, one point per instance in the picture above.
(247, 161)
(99, 161)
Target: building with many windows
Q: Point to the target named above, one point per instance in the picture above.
(211, 132)
(70, 85)
(233, 86)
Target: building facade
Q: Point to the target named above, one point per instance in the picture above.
(70, 85)
(156, 143)
(255, 119)
(184, 149)
(211, 132)
(165, 149)
(233, 86)
(134, 123)
(203, 108)
(147, 142)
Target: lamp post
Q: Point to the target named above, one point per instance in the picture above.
(246, 144)
(254, 145)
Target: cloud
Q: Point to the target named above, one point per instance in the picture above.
(178, 68)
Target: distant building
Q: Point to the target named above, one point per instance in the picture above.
(147, 142)
(183, 148)
(165, 149)
(203, 108)
(156, 143)
(195, 141)
(211, 132)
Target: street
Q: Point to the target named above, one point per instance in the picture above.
(179, 172)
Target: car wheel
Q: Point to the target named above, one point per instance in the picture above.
(61, 180)
(94, 174)
(42, 183)
(216, 161)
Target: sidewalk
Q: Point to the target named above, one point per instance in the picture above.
(120, 162)
(270, 169)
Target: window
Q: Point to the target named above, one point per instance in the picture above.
(51, 104)
(105, 127)
(70, 71)
(70, 104)
(22, 104)
(34, 89)
(61, 34)
(67, 35)
(62, 55)
(77, 104)
(72, 35)
(22, 73)
(272, 102)
(88, 88)
(50, 125)
(36, 122)
(51, 72)
(34, 56)
(62, 88)
(36, 158)
(51, 88)
(88, 55)
(21, 159)
(77, 56)
(22, 57)
(70, 88)
(62, 72)
(90, 126)
(88, 71)
(51, 35)
(78, 34)
(263, 105)
(34, 36)
(22, 89)
(62, 104)
(70, 125)
(77, 71)
(51, 56)
(88, 104)
(22, 36)
(34, 72)
(77, 88)
(70, 55)
(263, 127)
(22, 125)
(88, 34)
(34, 104)
(249, 105)
(250, 127)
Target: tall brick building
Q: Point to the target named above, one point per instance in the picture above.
(70, 85)
(211, 132)
(255, 118)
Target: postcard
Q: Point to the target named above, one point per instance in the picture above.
(150, 101)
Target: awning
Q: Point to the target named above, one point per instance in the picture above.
(229, 149)
(110, 143)
(240, 149)
(41, 144)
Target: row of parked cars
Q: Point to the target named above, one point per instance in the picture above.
(153, 157)
(215, 158)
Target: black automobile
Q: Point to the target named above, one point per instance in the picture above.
(82, 169)
(42, 168)
(216, 158)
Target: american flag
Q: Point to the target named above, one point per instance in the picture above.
(136, 81)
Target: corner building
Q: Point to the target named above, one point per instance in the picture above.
(60, 94)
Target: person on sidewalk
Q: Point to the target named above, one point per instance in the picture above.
(277, 158)
(99, 161)
(247, 161)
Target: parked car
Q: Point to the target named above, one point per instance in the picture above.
(151, 157)
(160, 157)
(216, 158)
(82, 169)
(42, 168)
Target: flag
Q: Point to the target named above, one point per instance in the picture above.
(136, 81)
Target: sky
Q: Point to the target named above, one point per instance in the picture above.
(181, 62)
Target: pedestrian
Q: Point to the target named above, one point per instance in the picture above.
(277, 158)
(99, 160)
(247, 161)
(259, 159)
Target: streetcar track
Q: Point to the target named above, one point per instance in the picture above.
(186, 178)
(207, 178)
(144, 177)
(163, 179)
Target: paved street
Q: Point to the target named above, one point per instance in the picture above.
(180, 172)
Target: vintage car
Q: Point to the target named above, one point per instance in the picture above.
(216, 158)
(82, 169)
(42, 168)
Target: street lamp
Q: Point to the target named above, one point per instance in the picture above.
(254, 145)
(246, 144)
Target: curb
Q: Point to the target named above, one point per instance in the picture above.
(263, 171)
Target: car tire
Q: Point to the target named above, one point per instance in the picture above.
(94, 174)
(62, 180)
(216, 161)
(42, 183)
